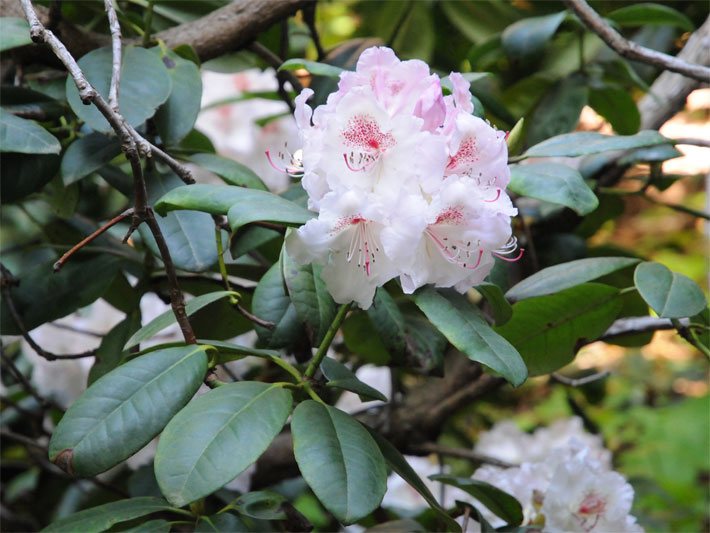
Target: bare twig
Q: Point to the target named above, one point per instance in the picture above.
(459, 453)
(253, 318)
(693, 142)
(24, 382)
(466, 517)
(634, 51)
(309, 18)
(115, 220)
(116, 49)
(275, 61)
(579, 382)
(634, 325)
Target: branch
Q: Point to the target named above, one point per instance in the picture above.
(24, 382)
(635, 325)
(115, 220)
(131, 143)
(460, 453)
(634, 51)
(116, 49)
(693, 142)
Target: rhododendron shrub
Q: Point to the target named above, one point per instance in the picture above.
(296, 265)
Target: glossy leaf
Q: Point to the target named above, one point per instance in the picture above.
(497, 501)
(145, 85)
(361, 338)
(86, 155)
(559, 277)
(221, 523)
(271, 302)
(262, 505)
(103, 517)
(502, 311)
(315, 68)
(14, 32)
(340, 377)
(267, 207)
(587, 142)
(217, 436)
(618, 107)
(313, 303)
(641, 14)
(152, 526)
(465, 329)
(177, 116)
(164, 320)
(555, 183)
(528, 36)
(230, 171)
(122, 411)
(669, 294)
(184, 231)
(43, 296)
(425, 345)
(546, 330)
(24, 136)
(339, 460)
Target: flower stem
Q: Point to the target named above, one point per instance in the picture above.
(325, 344)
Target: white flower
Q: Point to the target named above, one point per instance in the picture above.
(346, 239)
(583, 497)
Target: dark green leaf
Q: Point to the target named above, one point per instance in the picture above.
(658, 153)
(145, 85)
(499, 305)
(566, 275)
(425, 345)
(547, 330)
(555, 183)
(528, 36)
(62, 199)
(176, 117)
(558, 111)
(314, 304)
(498, 502)
(642, 14)
(231, 171)
(23, 175)
(194, 142)
(340, 377)
(152, 526)
(217, 436)
(465, 329)
(315, 68)
(110, 353)
(122, 411)
(14, 32)
(268, 207)
(339, 460)
(262, 505)
(669, 294)
(184, 231)
(24, 136)
(43, 296)
(162, 321)
(229, 351)
(618, 107)
(87, 155)
(389, 323)
(221, 523)
(587, 142)
(361, 338)
(105, 516)
(402, 468)
(403, 525)
(272, 303)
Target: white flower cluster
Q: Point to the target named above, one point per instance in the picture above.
(406, 181)
(564, 479)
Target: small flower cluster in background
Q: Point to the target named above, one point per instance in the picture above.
(406, 181)
(562, 478)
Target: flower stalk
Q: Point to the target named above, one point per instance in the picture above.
(327, 340)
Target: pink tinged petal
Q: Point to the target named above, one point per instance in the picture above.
(376, 57)
(303, 112)
(461, 92)
(364, 133)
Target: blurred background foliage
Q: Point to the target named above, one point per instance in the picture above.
(527, 59)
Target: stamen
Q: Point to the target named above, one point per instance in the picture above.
(350, 167)
(496, 198)
(509, 259)
(273, 165)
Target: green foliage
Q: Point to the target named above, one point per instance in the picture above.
(195, 454)
(339, 460)
(669, 294)
(135, 401)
